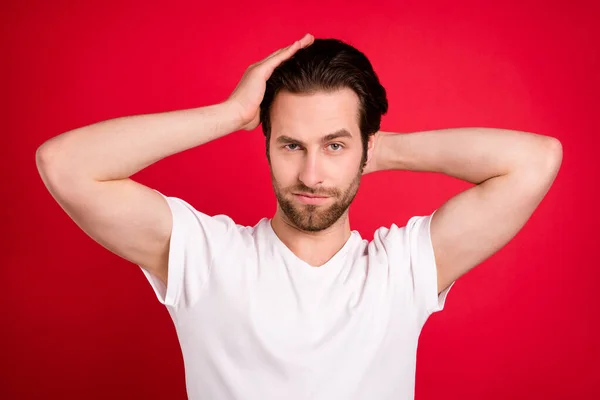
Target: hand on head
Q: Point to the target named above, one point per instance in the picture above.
(249, 92)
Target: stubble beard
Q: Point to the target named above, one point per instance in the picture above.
(315, 217)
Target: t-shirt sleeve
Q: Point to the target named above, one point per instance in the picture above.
(196, 240)
(410, 248)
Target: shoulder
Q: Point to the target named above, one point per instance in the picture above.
(416, 228)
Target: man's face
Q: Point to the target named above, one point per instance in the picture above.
(304, 160)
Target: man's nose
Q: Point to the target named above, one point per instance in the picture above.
(311, 174)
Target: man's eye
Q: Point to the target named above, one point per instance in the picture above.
(337, 147)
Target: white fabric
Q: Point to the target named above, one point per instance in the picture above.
(255, 322)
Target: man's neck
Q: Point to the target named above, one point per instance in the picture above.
(314, 248)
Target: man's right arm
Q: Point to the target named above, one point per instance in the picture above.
(87, 172)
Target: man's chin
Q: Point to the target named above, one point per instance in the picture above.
(316, 220)
(314, 226)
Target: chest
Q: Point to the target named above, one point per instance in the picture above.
(301, 316)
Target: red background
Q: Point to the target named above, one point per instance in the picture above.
(80, 323)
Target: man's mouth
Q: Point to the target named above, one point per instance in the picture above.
(312, 196)
(306, 198)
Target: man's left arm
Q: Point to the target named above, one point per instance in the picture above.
(512, 172)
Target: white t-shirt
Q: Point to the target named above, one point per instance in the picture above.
(255, 322)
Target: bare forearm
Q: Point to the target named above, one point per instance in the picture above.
(120, 147)
(470, 154)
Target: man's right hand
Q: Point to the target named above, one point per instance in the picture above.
(249, 92)
(87, 170)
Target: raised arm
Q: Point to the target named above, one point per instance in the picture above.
(87, 169)
(512, 172)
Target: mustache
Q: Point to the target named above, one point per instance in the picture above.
(314, 192)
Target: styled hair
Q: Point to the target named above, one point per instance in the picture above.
(329, 65)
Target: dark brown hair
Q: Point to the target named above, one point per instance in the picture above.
(329, 65)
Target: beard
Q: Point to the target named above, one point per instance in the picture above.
(315, 217)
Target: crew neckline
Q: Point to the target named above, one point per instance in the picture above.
(322, 269)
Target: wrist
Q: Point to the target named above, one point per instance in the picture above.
(383, 153)
(231, 114)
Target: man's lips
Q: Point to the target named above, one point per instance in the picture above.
(307, 198)
(312, 196)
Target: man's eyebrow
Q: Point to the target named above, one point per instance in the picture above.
(342, 133)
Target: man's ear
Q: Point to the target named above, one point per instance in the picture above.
(371, 145)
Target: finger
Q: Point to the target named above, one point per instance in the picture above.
(307, 40)
(303, 42)
(268, 65)
(284, 54)
(278, 52)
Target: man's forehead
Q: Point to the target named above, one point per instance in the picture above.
(322, 111)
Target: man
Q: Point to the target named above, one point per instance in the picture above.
(299, 306)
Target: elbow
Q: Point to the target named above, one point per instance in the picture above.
(46, 155)
(545, 166)
(51, 166)
(554, 155)
(542, 162)
(42, 156)
(44, 161)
